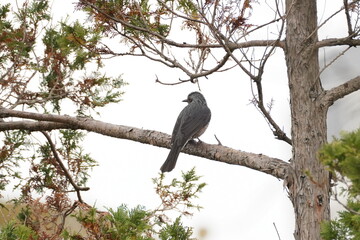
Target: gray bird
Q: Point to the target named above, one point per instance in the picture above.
(191, 123)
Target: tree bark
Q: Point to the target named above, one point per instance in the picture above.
(308, 181)
(47, 122)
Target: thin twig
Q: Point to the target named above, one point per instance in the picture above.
(65, 215)
(170, 84)
(217, 139)
(276, 231)
(259, 99)
(332, 61)
(330, 17)
(346, 207)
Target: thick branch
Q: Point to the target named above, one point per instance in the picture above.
(338, 42)
(340, 91)
(34, 126)
(348, 17)
(259, 162)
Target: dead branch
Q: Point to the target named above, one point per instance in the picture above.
(338, 42)
(257, 79)
(330, 96)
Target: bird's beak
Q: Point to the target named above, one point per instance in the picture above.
(186, 100)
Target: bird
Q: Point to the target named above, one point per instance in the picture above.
(191, 123)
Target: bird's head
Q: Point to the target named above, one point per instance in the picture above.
(195, 97)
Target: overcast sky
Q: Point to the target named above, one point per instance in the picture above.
(239, 203)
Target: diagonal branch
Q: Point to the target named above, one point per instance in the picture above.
(280, 134)
(63, 168)
(259, 162)
(330, 96)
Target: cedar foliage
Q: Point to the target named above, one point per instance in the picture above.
(342, 157)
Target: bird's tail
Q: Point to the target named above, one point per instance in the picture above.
(170, 162)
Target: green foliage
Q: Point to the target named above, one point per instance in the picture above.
(175, 231)
(15, 231)
(72, 44)
(345, 227)
(35, 12)
(140, 19)
(4, 11)
(179, 193)
(45, 219)
(342, 158)
(79, 163)
(334, 230)
(68, 49)
(139, 223)
(188, 6)
(18, 40)
(129, 223)
(46, 172)
(122, 223)
(43, 68)
(15, 143)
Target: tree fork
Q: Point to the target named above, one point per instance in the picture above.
(308, 181)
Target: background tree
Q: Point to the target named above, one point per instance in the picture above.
(225, 38)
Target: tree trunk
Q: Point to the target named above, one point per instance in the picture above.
(309, 185)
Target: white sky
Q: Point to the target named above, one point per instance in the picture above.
(239, 203)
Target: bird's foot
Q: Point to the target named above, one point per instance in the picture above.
(195, 142)
(192, 141)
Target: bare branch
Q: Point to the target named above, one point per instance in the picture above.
(348, 19)
(351, 32)
(258, 43)
(153, 46)
(346, 207)
(7, 72)
(259, 99)
(330, 96)
(177, 14)
(259, 162)
(338, 42)
(277, 132)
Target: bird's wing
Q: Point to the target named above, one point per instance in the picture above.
(196, 117)
(176, 127)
